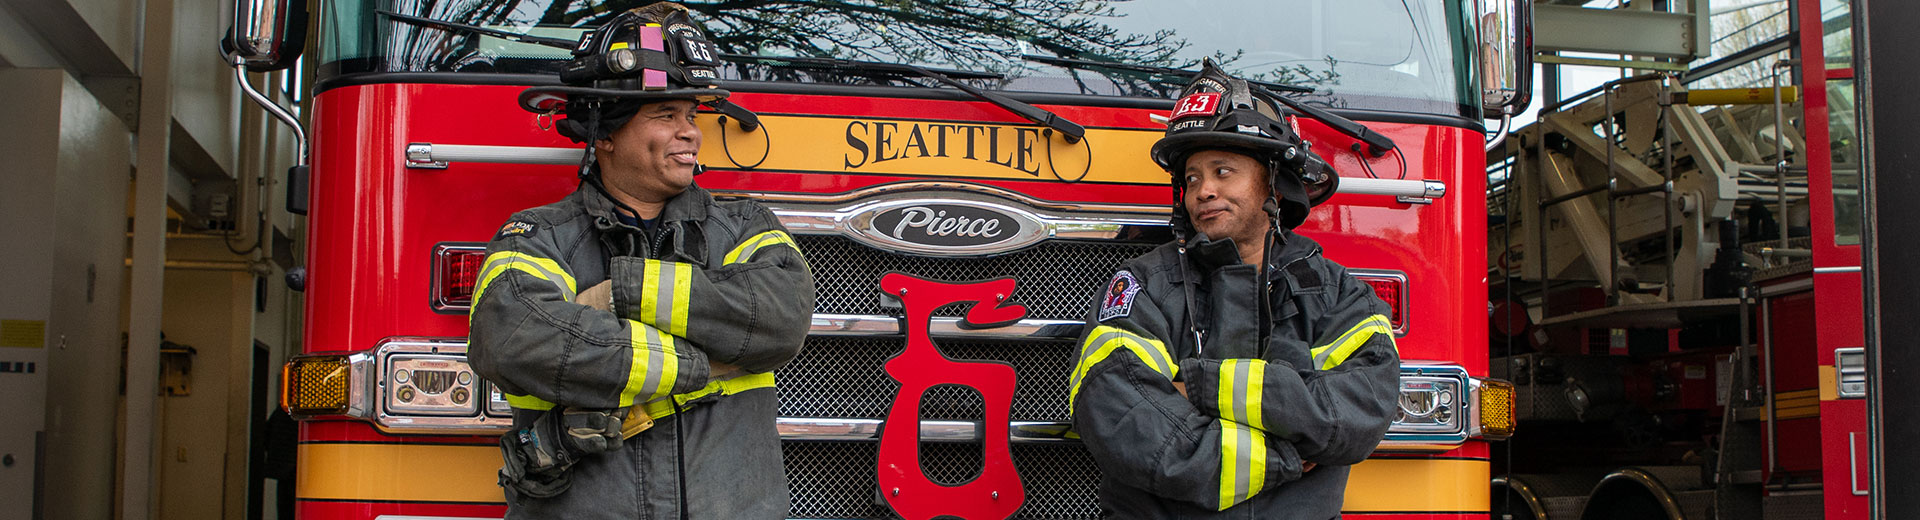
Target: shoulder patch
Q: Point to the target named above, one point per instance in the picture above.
(1118, 300)
(514, 227)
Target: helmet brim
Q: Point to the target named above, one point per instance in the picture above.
(1173, 147)
(529, 98)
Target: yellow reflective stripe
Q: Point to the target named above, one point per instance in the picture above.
(744, 251)
(1336, 352)
(544, 269)
(1229, 399)
(1243, 463)
(682, 297)
(650, 291)
(655, 366)
(527, 402)
(1256, 386)
(664, 295)
(1240, 386)
(662, 407)
(1103, 341)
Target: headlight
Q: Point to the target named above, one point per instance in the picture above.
(1431, 409)
(1440, 407)
(497, 403)
(431, 385)
(402, 385)
(1429, 404)
(427, 386)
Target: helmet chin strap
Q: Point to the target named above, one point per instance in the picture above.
(1264, 287)
(590, 165)
(1178, 222)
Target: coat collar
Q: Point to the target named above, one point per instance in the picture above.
(688, 205)
(1210, 254)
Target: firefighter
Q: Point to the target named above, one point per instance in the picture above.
(1207, 388)
(635, 325)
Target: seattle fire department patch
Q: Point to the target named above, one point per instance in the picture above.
(1118, 301)
(514, 227)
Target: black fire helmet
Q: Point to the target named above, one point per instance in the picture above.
(646, 54)
(1220, 112)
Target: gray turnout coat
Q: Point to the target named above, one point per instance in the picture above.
(711, 282)
(1322, 388)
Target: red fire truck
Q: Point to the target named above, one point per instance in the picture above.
(419, 153)
(1709, 362)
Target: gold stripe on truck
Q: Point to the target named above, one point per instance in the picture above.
(400, 472)
(882, 146)
(1414, 485)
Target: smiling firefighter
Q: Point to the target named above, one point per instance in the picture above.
(635, 325)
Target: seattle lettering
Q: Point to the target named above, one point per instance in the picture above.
(937, 223)
(881, 141)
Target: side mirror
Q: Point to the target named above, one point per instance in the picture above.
(1506, 55)
(267, 35)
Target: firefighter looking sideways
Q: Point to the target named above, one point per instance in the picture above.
(635, 325)
(1235, 372)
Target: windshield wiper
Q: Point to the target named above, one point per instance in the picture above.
(1377, 145)
(1183, 74)
(865, 68)
(1071, 130)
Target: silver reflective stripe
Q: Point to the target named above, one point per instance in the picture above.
(1086, 349)
(655, 363)
(1159, 356)
(1156, 357)
(1243, 464)
(1241, 371)
(747, 254)
(663, 296)
(1372, 325)
(558, 279)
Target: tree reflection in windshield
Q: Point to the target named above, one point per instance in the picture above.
(1407, 53)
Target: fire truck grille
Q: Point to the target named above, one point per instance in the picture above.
(1058, 279)
(837, 479)
(842, 377)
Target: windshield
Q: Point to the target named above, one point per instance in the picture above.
(1391, 55)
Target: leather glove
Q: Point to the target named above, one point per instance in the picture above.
(537, 458)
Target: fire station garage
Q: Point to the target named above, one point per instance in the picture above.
(244, 239)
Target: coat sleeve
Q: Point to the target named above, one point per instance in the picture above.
(1335, 412)
(752, 311)
(1144, 434)
(528, 336)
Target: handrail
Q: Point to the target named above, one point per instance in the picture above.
(1614, 193)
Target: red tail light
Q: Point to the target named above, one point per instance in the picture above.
(456, 268)
(1391, 287)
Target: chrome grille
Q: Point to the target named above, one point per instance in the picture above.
(843, 377)
(1058, 279)
(837, 479)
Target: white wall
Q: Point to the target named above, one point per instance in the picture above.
(65, 198)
